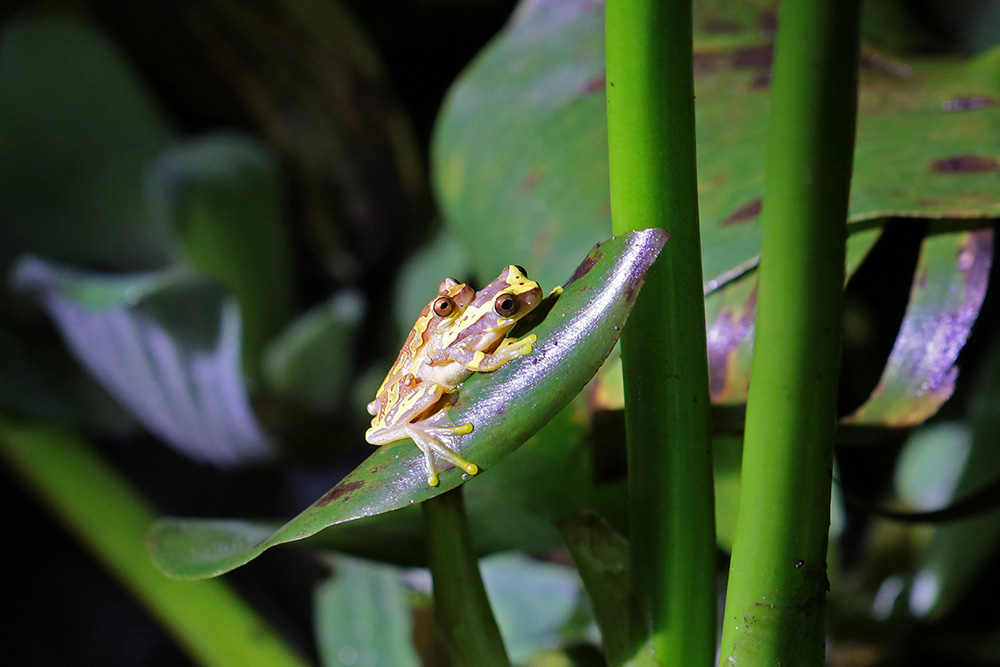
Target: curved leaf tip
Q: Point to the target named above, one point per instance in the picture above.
(506, 407)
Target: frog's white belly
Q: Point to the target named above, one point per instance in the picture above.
(448, 375)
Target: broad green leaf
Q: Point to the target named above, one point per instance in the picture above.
(221, 195)
(948, 290)
(522, 137)
(166, 345)
(310, 363)
(506, 408)
(78, 130)
(552, 472)
(363, 616)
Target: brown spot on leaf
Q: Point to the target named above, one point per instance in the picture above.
(721, 26)
(339, 491)
(967, 104)
(768, 22)
(593, 85)
(762, 81)
(754, 56)
(530, 181)
(750, 211)
(585, 266)
(881, 64)
(960, 164)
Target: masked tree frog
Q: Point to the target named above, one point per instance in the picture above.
(460, 332)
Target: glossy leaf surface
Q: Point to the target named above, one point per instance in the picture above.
(166, 345)
(506, 407)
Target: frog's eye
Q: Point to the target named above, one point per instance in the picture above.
(521, 269)
(505, 305)
(443, 306)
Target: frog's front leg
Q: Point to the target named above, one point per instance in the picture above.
(487, 362)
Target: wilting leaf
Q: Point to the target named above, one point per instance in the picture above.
(77, 133)
(166, 346)
(948, 289)
(506, 407)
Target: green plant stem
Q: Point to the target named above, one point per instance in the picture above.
(651, 141)
(777, 580)
(462, 610)
(207, 618)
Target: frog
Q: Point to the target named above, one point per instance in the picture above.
(458, 333)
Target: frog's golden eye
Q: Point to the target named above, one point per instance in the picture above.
(505, 305)
(443, 306)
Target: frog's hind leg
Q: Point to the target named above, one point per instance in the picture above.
(426, 438)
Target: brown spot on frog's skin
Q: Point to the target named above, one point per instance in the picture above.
(967, 104)
(960, 164)
(339, 491)
(750, 211)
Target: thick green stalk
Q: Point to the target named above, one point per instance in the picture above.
(206, 617)
(651, 141)
(462, 610)
(777, 579)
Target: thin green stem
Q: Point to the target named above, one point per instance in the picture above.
(651, 141)
(777, 581)
(111, 519)
(462, 610)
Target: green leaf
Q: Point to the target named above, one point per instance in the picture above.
(948, 290)
(310, 363)
(221, 195)
(363, 616)
(166, 345)
(506, 407)
(78, 132)
(601, 554)
(535, 603)
(522, 137)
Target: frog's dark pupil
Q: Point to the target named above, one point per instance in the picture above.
(506, 304)
(442, 306)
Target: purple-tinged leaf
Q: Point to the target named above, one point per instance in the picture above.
(948, 289)
(166, 346)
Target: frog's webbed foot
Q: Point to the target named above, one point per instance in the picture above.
(427, 438)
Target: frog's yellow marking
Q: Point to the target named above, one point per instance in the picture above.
(429, 366)
(417, 342)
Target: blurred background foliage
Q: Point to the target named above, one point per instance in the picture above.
(217, 224)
